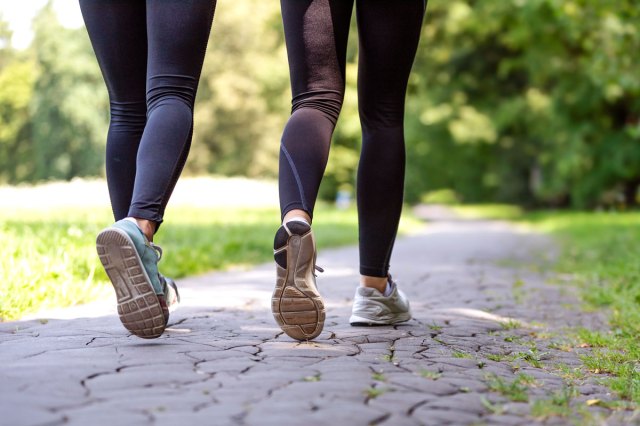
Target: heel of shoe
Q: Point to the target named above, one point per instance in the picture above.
(139, 308)
(296, 304)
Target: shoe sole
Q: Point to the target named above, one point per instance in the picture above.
(297, 307)
(357, 321)
(139, 309)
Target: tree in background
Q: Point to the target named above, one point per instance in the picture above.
(69, 103)
(17, 75)
(527, 101)
(243, 97)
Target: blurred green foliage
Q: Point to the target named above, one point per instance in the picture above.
(534, 102)
(527, 101)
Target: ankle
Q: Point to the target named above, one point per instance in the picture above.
(147, 227)
(379, 283)
(297, 214)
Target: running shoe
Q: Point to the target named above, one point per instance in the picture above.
(143, 295)
(296, 304)
(370, 307)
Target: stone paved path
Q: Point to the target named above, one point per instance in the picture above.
(483, 315)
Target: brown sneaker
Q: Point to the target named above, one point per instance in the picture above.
(296, 304)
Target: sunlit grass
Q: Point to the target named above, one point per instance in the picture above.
(488, 211)
(48, 259)
(601, 253)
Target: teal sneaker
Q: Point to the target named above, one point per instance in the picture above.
(131, 261)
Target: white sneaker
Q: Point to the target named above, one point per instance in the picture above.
(370, 307)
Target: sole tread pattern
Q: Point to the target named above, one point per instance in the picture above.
(296, 304)
(139, 308)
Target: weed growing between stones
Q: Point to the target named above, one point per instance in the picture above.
(557, 405)
(429, 374)
(510, 324)
(515, 390)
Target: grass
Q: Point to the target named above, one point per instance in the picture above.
(314, 378)
(460, 354)
(516, 390)
(488, 211)
(497, 357)
(435, 327)
(601, 255)
(431, 375)
(47, 257)
(558, 405)
(493, 408)
(510, 324)
(373, 392)
(378, 377)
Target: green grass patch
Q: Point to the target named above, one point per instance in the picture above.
(460, 354)
(498, 357)
(378, 377)
(374, 392)
(488, 211)
(314, 378)
(510, 324)
(430, 374)
(48, 258)
(493, 408)
(515, 390)
(558, 405)
(601, 255)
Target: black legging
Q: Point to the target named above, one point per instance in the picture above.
(316, 33)
(151, 54)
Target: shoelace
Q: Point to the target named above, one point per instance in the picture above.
(157, 249)
(168, 285)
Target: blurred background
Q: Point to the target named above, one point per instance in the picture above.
(532, 102)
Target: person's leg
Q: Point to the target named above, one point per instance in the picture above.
(177, 34)
(389, 32)
(316, 33)
(119, 37)
(118, 33)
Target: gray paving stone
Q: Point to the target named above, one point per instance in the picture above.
(428, 416)
(401, 401)
(339, 413)
(474, 385)
(105, 414)
(423, 385)
(509, 420)
(21, 410)
(400, 420)
(460, 402)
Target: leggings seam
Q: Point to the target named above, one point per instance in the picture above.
(294, 170)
